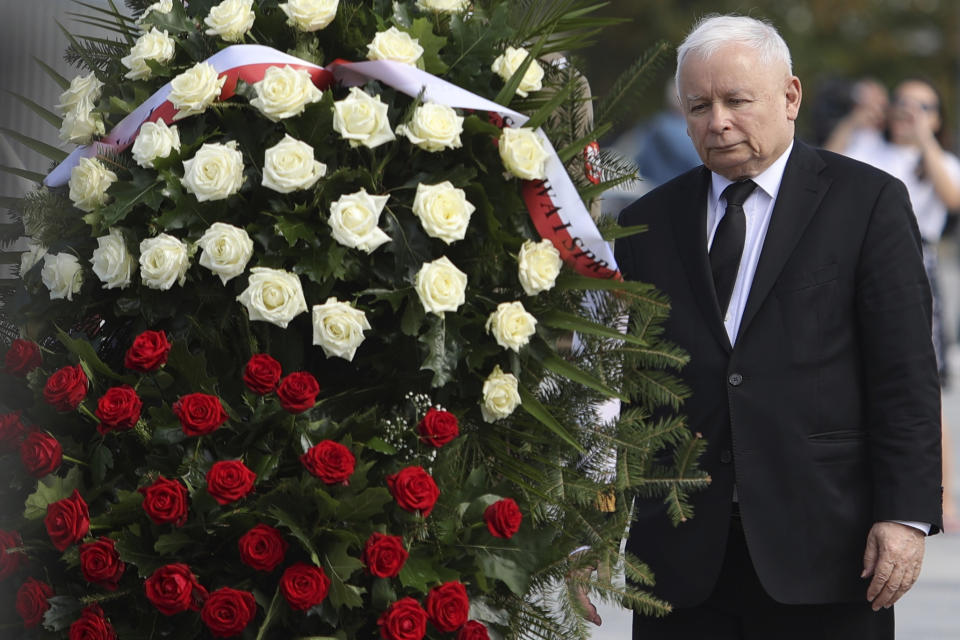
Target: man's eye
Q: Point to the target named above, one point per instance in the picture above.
(697, 108)
(737, 101)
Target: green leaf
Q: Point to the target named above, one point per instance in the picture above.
(47, 115)
(570, 371)
(49, 490)
(293, 230)
(88, 355)
(534, 407)
(507, 571)
(191, 368)
(419, 573)
(383, 594)
(571, 282)
(413, 316)
(509, 90)
(542, 114)
(50, 71)
(572, 322)
(443, 352)
(381, 446)
(286, 520)
(339, 566)
(127, 509)
(365, 505)
(422, 30)
(33, 176)
(101, 461)
(128, 195)
(577, 146)
(170, 543)
(136, 551)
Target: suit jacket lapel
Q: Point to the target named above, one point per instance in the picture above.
(691, 237)
(800, 193)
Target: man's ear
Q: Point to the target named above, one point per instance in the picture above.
(794, 94)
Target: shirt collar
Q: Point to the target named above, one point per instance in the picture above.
(769, 181)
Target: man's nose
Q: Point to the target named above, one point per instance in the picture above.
(719, 118)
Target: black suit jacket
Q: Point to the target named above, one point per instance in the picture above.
(826, 411)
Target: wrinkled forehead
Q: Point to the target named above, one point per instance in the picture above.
(728, 68)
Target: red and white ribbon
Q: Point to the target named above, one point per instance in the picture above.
(554, 203)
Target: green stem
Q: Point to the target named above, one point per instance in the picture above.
(270, 613)
(74, 460)
(85, 410)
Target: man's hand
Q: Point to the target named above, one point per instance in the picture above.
(893, 557)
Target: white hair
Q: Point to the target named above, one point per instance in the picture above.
(714, 31)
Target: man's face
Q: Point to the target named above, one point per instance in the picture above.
(740, 114)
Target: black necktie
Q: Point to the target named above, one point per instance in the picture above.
(727, 244)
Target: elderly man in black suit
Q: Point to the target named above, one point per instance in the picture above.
(798, 289)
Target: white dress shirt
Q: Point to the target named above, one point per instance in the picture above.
(758, 209)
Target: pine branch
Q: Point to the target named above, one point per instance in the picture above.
(621, 101)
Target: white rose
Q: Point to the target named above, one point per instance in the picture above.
(539, 266)
(394, 44)
(230, 19)
(89, 181)
(511, 325)
(215, 172)
(274, 296)
(226, 250)
(441, 286)
(80, 124)
(164, 260)
(83, 89)
(433, 127)
(508, 63)
(310, 15)
(524, 153)
(153, 45)
(443, 6)
(500, 395)
(289, 165)
(338, 328)
(195, 89)
(163, 6)
(155, 140)
(284, 92)
(112, 263)
(444, 210)
(62, 275)
(354, 219)
(362, 119)
(34, 253)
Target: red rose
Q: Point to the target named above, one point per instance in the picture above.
(40, 453)
(22, 357)
(438, 428)
(101, 564)
(229, 480)
(503, 518)
(148, 352)
(262, 548)
(405, 619)
(228, 611)
(10, 561)
(304, 586)
(262, 374)
(66, 388)
(298, 392)
(448, 606)
(91, 625)
(165, 501)
(199, 413)
(173, 589)
(32, 601)
(384, 555)
(118, 408)
(473, 630)
(67, 521)
(330, 461)
(414, 490)
(11, 431)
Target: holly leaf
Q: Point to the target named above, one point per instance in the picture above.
(286, 520)
(294, 230)
(507, 571)
(125, 510)
(366, 504)
(422, 30)
(136, 551)
(170, 543)
(101, 461)
(191, 367)
(49, 490)
(62, 612)
(88, 356)
(339, 566)
(418, 573)
(442, 351)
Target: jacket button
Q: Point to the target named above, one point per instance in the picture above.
(735, 379)
(726, 457)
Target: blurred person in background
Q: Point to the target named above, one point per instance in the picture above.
(907, 140)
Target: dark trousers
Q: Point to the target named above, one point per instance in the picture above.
(740, 609)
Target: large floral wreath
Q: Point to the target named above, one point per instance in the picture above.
(296, 353)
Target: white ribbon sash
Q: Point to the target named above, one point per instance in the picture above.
(554, 204)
